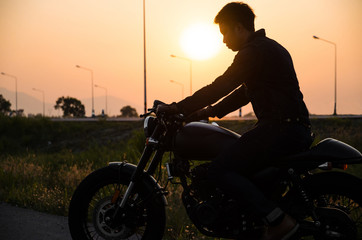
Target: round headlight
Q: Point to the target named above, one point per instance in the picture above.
(149, 125)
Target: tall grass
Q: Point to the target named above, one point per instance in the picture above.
(46, 181)
(42, 162)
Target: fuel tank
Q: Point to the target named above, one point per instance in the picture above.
(202, 141)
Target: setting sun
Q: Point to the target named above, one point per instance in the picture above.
(201, 41)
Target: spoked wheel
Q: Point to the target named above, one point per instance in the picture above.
(338, 201)
(101, 211)
(341, 217)
(94, 203)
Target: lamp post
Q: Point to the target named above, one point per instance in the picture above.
(335, 71)
(189, 60)
(38, 90)
(106, 95)
(16, 90)
(91, 71)
(144, 56)
(178, 83)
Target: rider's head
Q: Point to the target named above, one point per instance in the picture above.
(236, 22)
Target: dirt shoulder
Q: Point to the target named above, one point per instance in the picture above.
(20, 224)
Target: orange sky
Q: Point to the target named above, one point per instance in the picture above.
(41, 41)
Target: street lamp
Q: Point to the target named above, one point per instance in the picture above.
(38, 90)
(178, 83)
(189, 60)
(106, 95)
(16, 90)
(144, 56)
(91, 71)
(335, 71)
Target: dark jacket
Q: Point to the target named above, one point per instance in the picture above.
(262, 73)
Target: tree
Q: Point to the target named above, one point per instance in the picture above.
(4, 105)
(70, 106)
(128, 111)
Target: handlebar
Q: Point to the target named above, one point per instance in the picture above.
(177, 117)
(153, 109)
(150, 111)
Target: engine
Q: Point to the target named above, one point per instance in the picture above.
(209, 208)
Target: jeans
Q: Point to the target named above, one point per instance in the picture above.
(252, 152)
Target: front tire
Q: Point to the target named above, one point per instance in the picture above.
(94, 202)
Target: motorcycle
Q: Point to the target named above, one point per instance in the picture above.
(124, 201)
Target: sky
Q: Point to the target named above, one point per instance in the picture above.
(41, 42)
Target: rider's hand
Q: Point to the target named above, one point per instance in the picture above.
(167, 108)
(201, 114)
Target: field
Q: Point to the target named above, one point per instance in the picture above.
(42, 162)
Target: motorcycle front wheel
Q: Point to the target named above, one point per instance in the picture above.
(95, 201)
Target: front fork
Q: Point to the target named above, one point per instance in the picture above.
(151, 145)
(146, 155)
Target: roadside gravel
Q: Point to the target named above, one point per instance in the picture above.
(20, 224)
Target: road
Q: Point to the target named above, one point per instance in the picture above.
(26, 224)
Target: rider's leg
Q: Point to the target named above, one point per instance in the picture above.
(254, 151)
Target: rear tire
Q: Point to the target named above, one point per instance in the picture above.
(91, 207)
(337, 197)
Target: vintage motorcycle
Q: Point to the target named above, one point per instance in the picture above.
(124, 201)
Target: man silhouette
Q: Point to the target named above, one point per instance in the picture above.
(263, 74)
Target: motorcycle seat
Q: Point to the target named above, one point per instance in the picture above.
(327, 150)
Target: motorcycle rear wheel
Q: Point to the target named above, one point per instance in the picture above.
(339, 205)
(92, 206)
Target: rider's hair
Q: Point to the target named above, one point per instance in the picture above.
(236, 12)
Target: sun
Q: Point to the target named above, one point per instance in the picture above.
(201, 41)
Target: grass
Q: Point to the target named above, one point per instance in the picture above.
(42, 162)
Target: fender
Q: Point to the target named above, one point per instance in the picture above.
(327, 181)
(148, 181)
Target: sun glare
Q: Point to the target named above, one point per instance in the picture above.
(201, 41)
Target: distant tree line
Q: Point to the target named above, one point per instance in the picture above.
(70, 106)
(128, 111)
(4, 105)
(6, 110)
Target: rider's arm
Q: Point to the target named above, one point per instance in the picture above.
(232, 102)
(245, 66)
